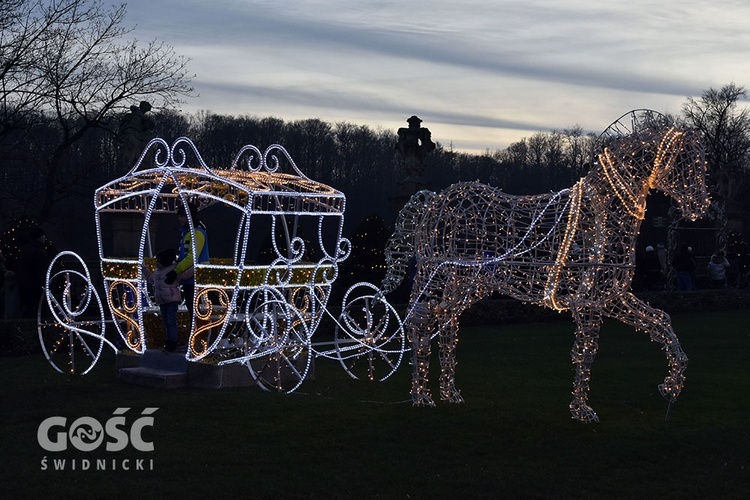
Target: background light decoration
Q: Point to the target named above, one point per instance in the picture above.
(573, 250)
(259, 315)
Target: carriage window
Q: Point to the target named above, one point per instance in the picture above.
(271, 236)
(120, 233)
(163, 232)
(223, 223)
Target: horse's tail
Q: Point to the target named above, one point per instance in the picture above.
(400, 248)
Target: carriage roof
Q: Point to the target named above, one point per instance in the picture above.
(256, 185)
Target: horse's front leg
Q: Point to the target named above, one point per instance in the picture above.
(634, 312)
(418, 331)
(448, 343)
(585, 347)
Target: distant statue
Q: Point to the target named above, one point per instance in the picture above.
(136, 129)
(414, 143)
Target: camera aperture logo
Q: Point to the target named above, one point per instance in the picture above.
(87, 434)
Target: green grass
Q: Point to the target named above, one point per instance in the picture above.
(340, 438)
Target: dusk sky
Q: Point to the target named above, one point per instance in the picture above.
(480, 73)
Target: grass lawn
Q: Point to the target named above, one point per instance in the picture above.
(340, 438)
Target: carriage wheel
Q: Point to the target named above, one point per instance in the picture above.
(70, 319)
(369, 337)
(281, 339)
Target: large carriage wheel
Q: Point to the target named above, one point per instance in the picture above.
(369, 337)
(281, 339)
(632, 122)
(70, 318)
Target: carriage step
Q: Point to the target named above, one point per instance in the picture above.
(155, 368)
(167, 361)
(167, 370)
(153, 377)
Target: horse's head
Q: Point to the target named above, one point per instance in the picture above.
(643, 150)
(679, 170)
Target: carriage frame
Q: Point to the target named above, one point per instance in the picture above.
(259, 314)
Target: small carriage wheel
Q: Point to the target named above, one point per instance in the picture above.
(282, 357)
(70, 319)
(369, 337)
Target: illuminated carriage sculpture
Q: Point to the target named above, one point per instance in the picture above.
(260, 314)
(573, 250)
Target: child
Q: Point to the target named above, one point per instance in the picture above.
(167, 295)
(717, 267)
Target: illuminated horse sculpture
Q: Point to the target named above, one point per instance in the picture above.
(571, 250)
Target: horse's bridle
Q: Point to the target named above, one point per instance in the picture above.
(625, 193)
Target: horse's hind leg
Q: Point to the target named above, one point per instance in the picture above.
(634, 312)
(419, 332)
(448, 342)
(585, 347)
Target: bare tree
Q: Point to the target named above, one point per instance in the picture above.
(24, 32)
(577, 153)
(518, 153)
(537, 148)
(68, 62)
(726, 127)
(554, 159)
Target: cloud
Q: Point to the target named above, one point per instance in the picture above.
(551, 55)
(473, 66)
(355, 102)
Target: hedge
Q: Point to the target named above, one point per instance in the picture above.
(19, 337)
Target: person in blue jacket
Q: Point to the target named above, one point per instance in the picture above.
(184, 269)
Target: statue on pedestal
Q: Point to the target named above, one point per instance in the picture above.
(136, 129)
(414, 144)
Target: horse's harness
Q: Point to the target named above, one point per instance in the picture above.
(550, 288)
(630, 199)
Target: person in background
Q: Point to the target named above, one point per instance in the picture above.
(717, 268)
(166, 295)
(684, 266)
(652, 269)
(734, 271)
(184, 270)
(661, 252)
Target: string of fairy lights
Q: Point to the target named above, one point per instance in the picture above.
(260, 315)
(70, 333)
(573, 250)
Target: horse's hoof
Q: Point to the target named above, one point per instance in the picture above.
(584, 413)
(422, 399)
(448, 391)
(671, 387)
(453, 396)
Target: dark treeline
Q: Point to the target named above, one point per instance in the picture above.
(356, 159)
(363, 163)
(54, 185)
(70, 70)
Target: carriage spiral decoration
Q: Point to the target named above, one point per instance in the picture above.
(261, 315)
(573, 250)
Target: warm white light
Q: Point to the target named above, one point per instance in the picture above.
(571, 250)
(260, 315)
